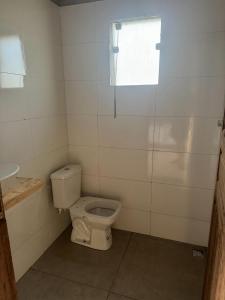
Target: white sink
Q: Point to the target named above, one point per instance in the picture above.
(8, 170)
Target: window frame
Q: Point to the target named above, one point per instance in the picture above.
(112, 76)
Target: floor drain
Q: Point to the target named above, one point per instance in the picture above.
(198, 253)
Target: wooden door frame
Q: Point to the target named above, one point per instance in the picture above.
(7, 277)
(211, 278)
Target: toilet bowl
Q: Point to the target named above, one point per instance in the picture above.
(92, 220)
(91, 217)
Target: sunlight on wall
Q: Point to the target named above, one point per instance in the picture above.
(12, 62)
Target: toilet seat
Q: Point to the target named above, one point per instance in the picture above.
(93, 208)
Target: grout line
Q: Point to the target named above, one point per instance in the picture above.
(85, 284)
(120, 263)
(129, 298)
(151, 181)
(67, 279)
(98, 153)
(140, 149)
(178, 217)
(123, 115)
(152, 160)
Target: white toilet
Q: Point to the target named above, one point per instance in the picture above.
(92, 217)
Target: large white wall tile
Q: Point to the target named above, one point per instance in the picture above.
(182, 202)
(191, 97)
(44, 21)
(37, 245)
(103, 59)
(136, 100)
(33, 248)
(81, 62)
(127, 164)
(185, 169)
(90, 185)
(21, 223)
(192, 135)
(132, 194)
(48, 163)
(45, 98)
(82, 130)
(126, 132)
(194, 55)
(87, 157)
(13, 105)
(48, 134)
(46, 62)
(195, 16)
(79, 23)
(121, 9)
(46, 212)
(81, 97)
(133, 220)
(86, 61)
(15, 141)
(180, 229)
(106, 99)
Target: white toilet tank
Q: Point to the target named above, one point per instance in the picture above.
(66, 186)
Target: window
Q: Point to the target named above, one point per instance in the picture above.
(134, 53)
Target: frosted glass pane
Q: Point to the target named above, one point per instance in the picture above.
(137, 62)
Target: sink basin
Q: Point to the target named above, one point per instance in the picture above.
(8, 170)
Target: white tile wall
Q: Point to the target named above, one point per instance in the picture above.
(193, 170)
(83, 130)
(49, 134)
(127, 164)
(180, 229)
(133, 194)
(182, 201)
(159, 156)
(33, 127)
(126, 132)
(15, 140)
(90, 185)
(190, 97)
(82, 97)
(133, 220)
(79, 24)
(87, 157)
(136, 100)
(194, 55)
(182, 135)
(83, 61)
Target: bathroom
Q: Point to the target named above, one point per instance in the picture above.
(146, 138)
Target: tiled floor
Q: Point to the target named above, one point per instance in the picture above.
(136, 267)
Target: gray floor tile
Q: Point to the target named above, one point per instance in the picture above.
(38, 286)
(159, 269)
(113, 296)
(82, 264)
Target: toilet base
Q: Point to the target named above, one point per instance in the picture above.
(100, 238)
